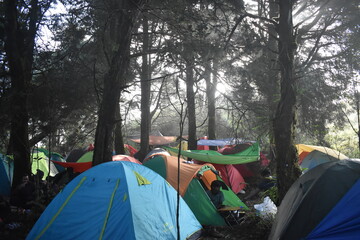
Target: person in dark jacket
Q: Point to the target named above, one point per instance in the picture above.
(23, 194)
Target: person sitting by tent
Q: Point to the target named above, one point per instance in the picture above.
(23, 194)
(215, 195)
(41, 185)
(268, 181)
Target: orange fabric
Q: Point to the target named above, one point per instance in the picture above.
(187, 172)
(302, 156)
(207, 178)
(158, 140)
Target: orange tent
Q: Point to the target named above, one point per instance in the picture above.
(187, 173)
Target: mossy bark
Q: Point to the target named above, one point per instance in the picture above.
(284, 123)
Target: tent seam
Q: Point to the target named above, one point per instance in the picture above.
(108, 210)
(61, 208)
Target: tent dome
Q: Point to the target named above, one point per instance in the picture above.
(321, 204)
(116, 200)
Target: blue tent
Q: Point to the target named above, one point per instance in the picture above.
(343, 221)
(322, 204)
(6, 174)
(116, 200)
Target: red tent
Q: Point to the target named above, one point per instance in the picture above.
(125, 158)
(231, 177)
(203, 147)
(83, 166)
(130, 149)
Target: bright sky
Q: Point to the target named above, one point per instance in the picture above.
(45, 39)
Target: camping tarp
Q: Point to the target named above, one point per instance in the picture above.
(193, 180)
(116, 200)
(250, 154)
(77, 167)
(321, 204)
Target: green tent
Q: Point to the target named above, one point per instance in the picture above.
(40, 161)
(251, 154)
(54, 156)
(87, 157)
(194, 179)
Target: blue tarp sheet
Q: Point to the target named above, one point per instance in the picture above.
(222, 142)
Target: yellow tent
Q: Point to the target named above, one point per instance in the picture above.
(311, 156)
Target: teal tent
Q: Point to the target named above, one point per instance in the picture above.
(6, 174)
(116, 200)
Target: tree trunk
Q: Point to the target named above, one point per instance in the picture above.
(119, 141)
(190, 96)
(122, 24)
(284, 124)
(210, 93)
(357, 102)
(273, 78)
(145, 94)
(19, 47)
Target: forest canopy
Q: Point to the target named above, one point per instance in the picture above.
(75, 71)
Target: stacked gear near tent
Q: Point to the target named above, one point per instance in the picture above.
(195, 179)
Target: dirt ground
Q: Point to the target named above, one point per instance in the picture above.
(251, 228)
